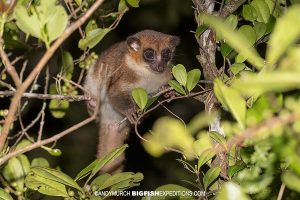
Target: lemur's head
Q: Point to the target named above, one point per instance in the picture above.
(152, 49)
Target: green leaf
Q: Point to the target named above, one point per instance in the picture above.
(39, 162)
(231, 191)
(193, 77)
(55, 175)
(92, 25)
(25, 163)
(140, 97)
(277, 81)
(92, 38)
(205, 156)
(179, 72)
(4, 195)
(200, 30)
(122, 6)
(291, 180)
(13, 172)
(235, 169)
(176, 86)
(119, 181)
(46, 22)
(262, 10)
(260, 29)
(237, 41)
(78, 2)
(225, 49)
(232, 21)
(83, 173)
(249, 13)
(217, 137)
(150, 101)
(292, 60)
(210, 176)
(285, 33)
(66, 65)
(133, 3)
(236, 68)
(23, 144)
(249, 32)
(45, 186)
(231, 100)
(106, 160)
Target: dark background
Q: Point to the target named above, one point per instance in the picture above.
(79, 148)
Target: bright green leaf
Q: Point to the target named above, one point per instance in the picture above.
(4, 195)
(140, 97)
(40, 162)
(205, 156)
(291, 180)
(235, 40)
(13, 172)
(231, 191)
(249, 13)
(45, 186)
(262, 10)
(285, 33)
(179, 72)
(260, 29)
(133, 3)
(231, 100)
(106, 160)
(176, 86)
(193, 77)
(92, 38)
(65, 62)
(88, 169)
(210, 176)
(237, 68)
(55, 175)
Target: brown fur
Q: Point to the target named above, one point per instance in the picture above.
(118, 71)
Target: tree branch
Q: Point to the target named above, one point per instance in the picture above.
(47, 96)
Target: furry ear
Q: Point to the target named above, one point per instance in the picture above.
(133, 43)
(174, 41)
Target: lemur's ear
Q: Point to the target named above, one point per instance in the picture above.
(174, 41)
(133, 43)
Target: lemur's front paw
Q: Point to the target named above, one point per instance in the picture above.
(91, 106)
(132, 115)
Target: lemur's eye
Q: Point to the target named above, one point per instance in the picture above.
(166, 55)
(149, 54)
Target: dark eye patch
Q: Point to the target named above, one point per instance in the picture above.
(166, 54)
(149, 54)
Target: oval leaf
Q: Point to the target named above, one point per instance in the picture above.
(179, 72)
(140, 97)
(92, 38)
(193, 77)
(176, 86)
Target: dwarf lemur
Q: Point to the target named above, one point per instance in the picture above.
(143, 60)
